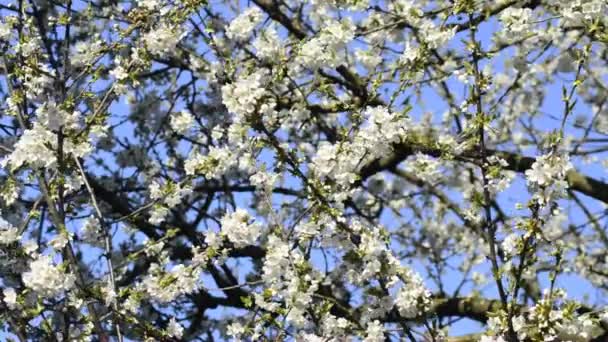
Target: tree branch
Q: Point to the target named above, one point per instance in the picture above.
(518, 163)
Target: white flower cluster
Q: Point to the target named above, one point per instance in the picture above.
(36, 145)
(33, 149)
(425, 167)
(47, 279)
(548, 176)
(287, 284)
(579, 328)
(548, 168)
(235, 330)
(434, 36)
(241, 27)
(486, 338)
(268, 44)
(29, 47)
(374, 139)
(323, 50)
(174, 329)
(39, 83)
(59, 241)
(264, 181)
(237, 228)
(377, 258)
(150, 4)
(374, 332)
(5, 31)
(241, 97)
(555, 223)
(548, 320)
(299, 300)
(351, 5)
(407, 8)
(335, 326)
(9, 297)
(413, 298)
(168, 197)
(510, 244)
(557, 327)
(165, 287)
(517, 23)
(163, 40)
(212, 165)
(119, 72)
(8, 233)
(91, 233)
(381, 129)
(499, 179)
(277, 258)
(579, 11)
(182, 121)
(53, 117)
(85, 52)
(368, 58)
(326, 162)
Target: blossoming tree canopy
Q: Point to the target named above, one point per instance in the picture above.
(304, 170)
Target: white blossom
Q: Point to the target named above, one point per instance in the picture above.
(268, 44)
(374, 332)
(163, 40)
(304, 170)
(548, 168)
(242, 96)
(5, 31)
(436, 37)
(174, 329)
(510, 243)
(165, 287)
(10, 297)
(47, 279)
(413, 298)
(277, 258)
(235, 330)
(91, 231)
(516, 20)
(181, 122)
(548, 173)
(426, 168)
(239, 230)
(486, 338)
(32, 149)
(119, 73)
(86, 52)
(323, 50)
(35, 148)
(242, 26)
(149, 4)
(8, 233)
(59, 241)
(369, 58)
(213, 165)
(264, 180)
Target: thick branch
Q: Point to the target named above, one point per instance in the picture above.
(518, 163)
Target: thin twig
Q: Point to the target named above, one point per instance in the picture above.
(107, 240)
